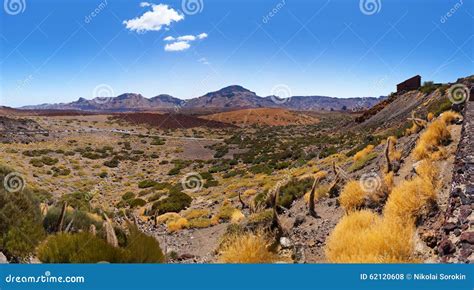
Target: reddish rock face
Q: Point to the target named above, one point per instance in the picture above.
(410, 84)
(446, 247)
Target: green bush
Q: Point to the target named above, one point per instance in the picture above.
(293, 190)
(81, 220)
(147, 183)
(86, 248)
(128, 195)
(78, 200)
(175, 202)
(136, 202)
(20, 222)
(79, 248)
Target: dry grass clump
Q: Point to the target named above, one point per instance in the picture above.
(167, 217)
(412, 130)
(363, 153)
(247, 248)
(365, 237)
(410, 197)
(250, 192)
(430, 117)
(179, 224)
(352, 195)
(236, 217)
(435, 135)
(449, 117)
(196, 213)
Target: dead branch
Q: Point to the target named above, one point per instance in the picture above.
(241, 201)
(59, 226)
(110, 232)
(312, 211)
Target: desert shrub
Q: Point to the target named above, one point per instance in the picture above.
(49, 160)
(147, 183)
(196, 213)
(157, 141)
(114, 162)
(136, 202)
(60, 171)
(78, 248)
(142, 248)
(82, 220)
(86, 248)
(237, 216)
(430, 117)
(128, 195)
(179, 224)
(20, 226)
(246, 248)
(408, 199)
(352, 195)
(36, 162)
(294, 189)
(436, 134)
(365, 237)
(175, 202)
(78, 200)
(225, 212)
(156, 196)
(167, 217)
(200, 223)
(363, 153)
(428, 87)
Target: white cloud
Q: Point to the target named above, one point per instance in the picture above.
(177, 46)
(203, 60)
(145, 4)
(160, 15)
(202, 36)
(187, 38)
(181, 43)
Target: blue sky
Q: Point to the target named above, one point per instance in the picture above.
(57, 51)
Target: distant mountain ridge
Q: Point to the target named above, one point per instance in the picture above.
(231, 97)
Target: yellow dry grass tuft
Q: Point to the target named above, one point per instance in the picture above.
(394, 154)
(410, 197)
(363, 153)
(449, 117)
(352, 195)
(435, 135)
(167, 217)
(246, 248)
(430, 117)
(179, 224)
(236, 217)
(250, 192)
(365, 237)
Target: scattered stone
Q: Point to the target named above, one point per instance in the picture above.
(467, 237)
(186, 257)
(449, 227)
(3, 259)
(300, 219)
(285, 242)
(446, 247)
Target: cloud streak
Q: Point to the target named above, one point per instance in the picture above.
(160, 15)
(181, 43)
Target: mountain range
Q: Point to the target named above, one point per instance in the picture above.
(231, 97)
